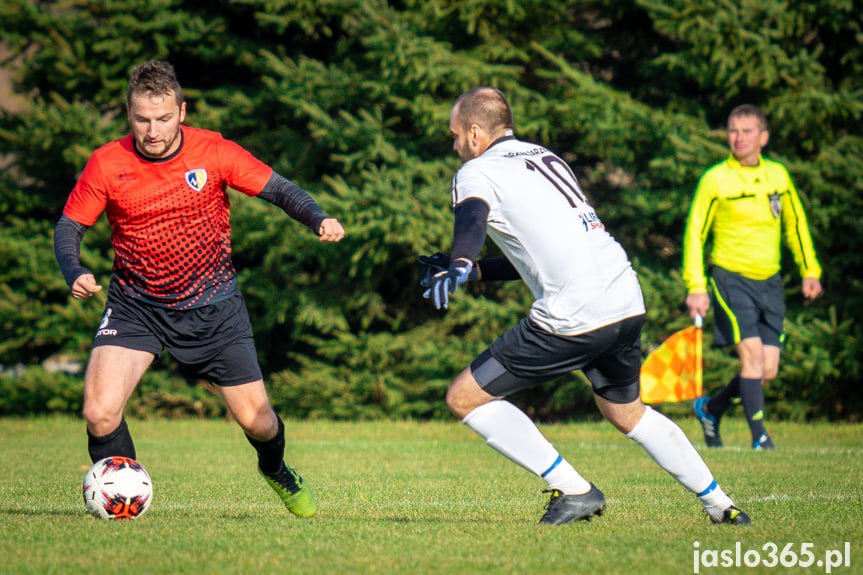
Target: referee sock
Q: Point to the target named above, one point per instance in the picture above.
(118, 442)
(510, 432)
(721, 401)
(271, 453)
(752, 397)
(666, 443)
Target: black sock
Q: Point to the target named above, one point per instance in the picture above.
(271, 453)
(118, 442)
(752, 397)
(720, 402)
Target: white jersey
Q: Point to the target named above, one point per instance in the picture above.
(579, 275)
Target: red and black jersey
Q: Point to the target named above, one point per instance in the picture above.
(170, 218)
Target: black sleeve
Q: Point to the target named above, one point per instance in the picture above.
(497, 269)
(471, 217)
(67, 248)
(294, 200)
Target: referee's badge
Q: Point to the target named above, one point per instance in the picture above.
(197, 178)
(775, 204)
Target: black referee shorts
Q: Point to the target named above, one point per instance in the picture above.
(746, 308)
(527, 355)
(213, 342)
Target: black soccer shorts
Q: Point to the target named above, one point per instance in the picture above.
(213, 342)
(746, 308)
(527, 355)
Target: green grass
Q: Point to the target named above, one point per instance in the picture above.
(418, 498)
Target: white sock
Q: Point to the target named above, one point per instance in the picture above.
(666, 443)
(715, 501)
(511, 433)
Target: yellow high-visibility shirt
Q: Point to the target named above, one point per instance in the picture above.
(745, 208)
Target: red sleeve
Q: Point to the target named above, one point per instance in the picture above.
(245, 173)
(89, 196)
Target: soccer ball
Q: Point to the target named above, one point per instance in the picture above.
(117, 488)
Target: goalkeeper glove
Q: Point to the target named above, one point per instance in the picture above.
(446, 282)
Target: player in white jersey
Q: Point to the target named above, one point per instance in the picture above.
(587, 314)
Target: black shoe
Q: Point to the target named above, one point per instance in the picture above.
(563, 509)
(734, 516)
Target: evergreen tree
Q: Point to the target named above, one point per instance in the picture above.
(351, 99)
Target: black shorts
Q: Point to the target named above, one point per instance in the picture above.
(746, 308)
(526, 356)
(213, 342)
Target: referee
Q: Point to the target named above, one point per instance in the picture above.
(746, 203)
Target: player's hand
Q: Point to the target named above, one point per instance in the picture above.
(331, 230)
(812, 288)
(698, 304)
(432, 265)
(85, 286)
(446, 282)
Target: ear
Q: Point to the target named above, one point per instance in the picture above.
(763, 138)
(182, 112)
(475, 132)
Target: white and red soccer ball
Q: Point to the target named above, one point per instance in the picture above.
(117, 488)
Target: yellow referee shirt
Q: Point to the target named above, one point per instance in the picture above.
(745, 208)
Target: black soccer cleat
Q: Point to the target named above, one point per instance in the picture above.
(734, 516)
(563, 509)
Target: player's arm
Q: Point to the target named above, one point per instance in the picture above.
(469, 230)
(67, 249)
(800, 243)
(698, 224)
(299, 205)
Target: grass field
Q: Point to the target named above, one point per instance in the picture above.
(423, 498)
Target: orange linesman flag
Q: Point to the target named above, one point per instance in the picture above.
(673, 371)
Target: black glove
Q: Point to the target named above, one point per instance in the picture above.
(432, 265)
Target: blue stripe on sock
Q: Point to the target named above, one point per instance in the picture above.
(553, 465)
(710, 488)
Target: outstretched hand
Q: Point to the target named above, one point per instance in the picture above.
(447, 282)
(812, 288)
(431, 266)
(698, 304)
(331, 230)
(85, 286)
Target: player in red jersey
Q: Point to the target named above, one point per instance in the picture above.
(174, 288)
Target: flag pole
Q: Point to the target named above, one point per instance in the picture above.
(698, 368)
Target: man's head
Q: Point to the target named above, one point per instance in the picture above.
(479, 117)
(747, 133)
(155, 107)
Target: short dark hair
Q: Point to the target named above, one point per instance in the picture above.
(749, 110)
(486, 107)
(154, 78)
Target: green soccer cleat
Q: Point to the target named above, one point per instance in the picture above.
(292, 490)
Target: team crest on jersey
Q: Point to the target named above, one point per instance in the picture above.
(196, 179)
(775, 204)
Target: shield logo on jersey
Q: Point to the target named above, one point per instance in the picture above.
(196, 179)
(775, 204)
